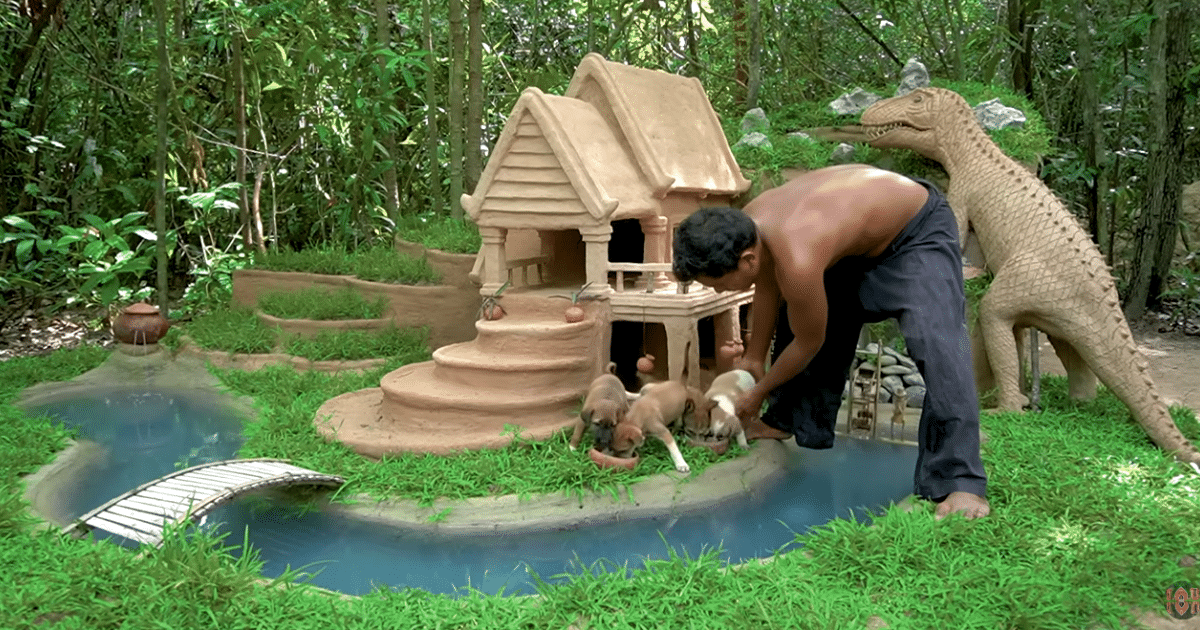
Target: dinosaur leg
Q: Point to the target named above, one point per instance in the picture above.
(1081, 381)
(997, 321)
(985, 381)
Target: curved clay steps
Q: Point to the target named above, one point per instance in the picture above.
(417, 388)
(467, 364)
(515, 335)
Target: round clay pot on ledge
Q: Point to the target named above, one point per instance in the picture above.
(610, 461)
(140, 324)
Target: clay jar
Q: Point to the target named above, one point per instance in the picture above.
(140, 324)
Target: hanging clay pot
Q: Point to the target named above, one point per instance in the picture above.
(645, 365)
(140, 324)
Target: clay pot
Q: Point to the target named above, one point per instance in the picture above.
(645, 365)
(610, 461)
(493, 312)
(717, 446)
(574, 313)
(140, 324)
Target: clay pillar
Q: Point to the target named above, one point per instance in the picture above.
(680, 331)
(727, 339)
(655, 250)
(495, 263)
(595, 240)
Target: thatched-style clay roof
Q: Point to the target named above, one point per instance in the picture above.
(558, 156)
(668, 122)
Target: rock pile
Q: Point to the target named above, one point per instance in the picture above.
(897, 373)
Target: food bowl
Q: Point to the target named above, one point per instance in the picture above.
(610, 461)
(717, 446)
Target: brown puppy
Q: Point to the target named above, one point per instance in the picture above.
(604, 406)
(716, 419)
(659, 408)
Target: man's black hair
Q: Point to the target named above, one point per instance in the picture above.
(710, 242)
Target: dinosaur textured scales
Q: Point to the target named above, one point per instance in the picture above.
(1047, 272)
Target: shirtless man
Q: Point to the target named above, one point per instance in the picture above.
(827, 252)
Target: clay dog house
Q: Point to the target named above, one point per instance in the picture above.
(580, 190)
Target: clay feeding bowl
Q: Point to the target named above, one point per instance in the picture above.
(609, 461)
(717, 446)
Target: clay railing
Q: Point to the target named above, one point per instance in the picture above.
(524, 264)
(644, 268)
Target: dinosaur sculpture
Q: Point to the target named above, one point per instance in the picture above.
(1047, 273)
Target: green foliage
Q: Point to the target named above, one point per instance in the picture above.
(1181, 297)
(438, 231)
(408, 345)
(975, 288)
(377, 264)
(321, 304)
(230, 330)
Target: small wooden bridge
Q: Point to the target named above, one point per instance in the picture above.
(141, 513)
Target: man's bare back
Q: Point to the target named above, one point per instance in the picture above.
(835, 212)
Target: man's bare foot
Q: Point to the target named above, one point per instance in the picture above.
(969, 505)
(758, 430)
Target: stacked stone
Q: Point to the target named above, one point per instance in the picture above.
(897, 372)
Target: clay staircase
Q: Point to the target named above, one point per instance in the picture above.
(530, 368)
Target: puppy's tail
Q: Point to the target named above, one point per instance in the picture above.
(612, 368)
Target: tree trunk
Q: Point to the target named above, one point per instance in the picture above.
(1089, 128)
(239, 99)
(474, 127)
(432, 138)
(693, 50)
(1020, 12)
(741, 75)
(23, 54)
(754, 71)
(163, 93)
(455, 107)
(387, 137)
(1156, 232)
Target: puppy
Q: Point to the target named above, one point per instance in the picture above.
(716, 419)
(604, 407)
(660, 407)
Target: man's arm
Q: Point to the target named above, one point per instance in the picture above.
(763, 314)
(807, 316)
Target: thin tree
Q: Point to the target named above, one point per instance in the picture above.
(455, 107)
(383, 36)
(432, 139)
(754, 67)
(1020, 14)
(1087, 106)
(474, 127)
(1170, 33)
(163, 93)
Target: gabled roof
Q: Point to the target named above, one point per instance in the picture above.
(668, 122)
(556, 152)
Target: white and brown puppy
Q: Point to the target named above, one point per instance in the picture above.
(604, 406)
(660, 407)
(722, 422)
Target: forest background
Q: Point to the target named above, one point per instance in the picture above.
(232, 127)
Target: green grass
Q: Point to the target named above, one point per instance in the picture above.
(288, 400)
(1089, 519)
(234, 329)
(321, 304)
(438, 231)
(407, 344)
(376, 264)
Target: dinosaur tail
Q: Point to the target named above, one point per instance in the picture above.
(1123, 368)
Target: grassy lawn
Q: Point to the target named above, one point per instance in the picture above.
(1089, 519)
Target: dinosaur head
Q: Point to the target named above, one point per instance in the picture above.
(919, 120)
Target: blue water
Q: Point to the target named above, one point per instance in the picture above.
(151, 434)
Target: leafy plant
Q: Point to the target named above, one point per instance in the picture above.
(406, 344)
(106, 260)
(322, 304)
(490, 308)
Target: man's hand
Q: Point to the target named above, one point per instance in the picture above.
(754, 366)
(748, 404)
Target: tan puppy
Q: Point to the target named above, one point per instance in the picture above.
(716, 420)
(604, 407)
(659, 408)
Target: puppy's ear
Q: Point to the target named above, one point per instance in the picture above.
(628, 434)
(585, 414)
